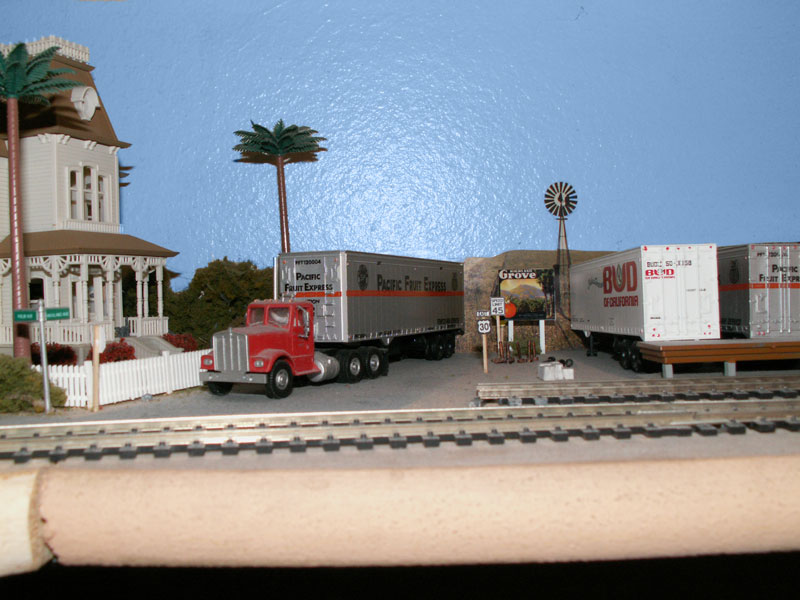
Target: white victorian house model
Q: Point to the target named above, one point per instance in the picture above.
(76, 256)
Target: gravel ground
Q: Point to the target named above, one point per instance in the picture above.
(411, 384)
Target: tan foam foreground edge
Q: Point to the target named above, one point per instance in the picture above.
(552, 512)
(21, 545)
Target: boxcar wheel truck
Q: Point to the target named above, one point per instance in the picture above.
(340, 316)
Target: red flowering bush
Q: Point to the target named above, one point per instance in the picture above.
(57, 354)
(115, 352)
(182, 340)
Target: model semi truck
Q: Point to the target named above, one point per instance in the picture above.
(759, 290)
(649, 293)
(340, 315)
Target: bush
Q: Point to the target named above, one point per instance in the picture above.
(181, 340)
(56, 354)
(115, 352)
(21, 387)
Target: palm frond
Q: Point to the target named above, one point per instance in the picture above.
(30, 78)
(38, 65)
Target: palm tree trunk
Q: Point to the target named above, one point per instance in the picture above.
(282, 209)
(19, 280)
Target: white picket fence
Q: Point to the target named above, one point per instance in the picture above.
(128, 379)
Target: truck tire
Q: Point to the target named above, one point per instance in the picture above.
(435, 349)
(351, 367)
(280, 380)
(626, 354)
(373, 362)
(219, 388)
(449, 345)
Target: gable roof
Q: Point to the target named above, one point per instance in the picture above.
(62, 242)
(61, 116)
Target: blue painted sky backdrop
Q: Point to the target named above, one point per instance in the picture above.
(446, 121)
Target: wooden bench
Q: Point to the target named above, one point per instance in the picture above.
(728, 352)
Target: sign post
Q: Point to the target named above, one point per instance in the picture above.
(27, 315)
(498, 309)
(484, 327)
(43, 355)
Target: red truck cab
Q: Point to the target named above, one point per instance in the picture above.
(275, 345)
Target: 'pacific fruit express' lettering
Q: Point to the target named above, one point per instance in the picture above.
(307, 285)
(779, 274)
(407, 284)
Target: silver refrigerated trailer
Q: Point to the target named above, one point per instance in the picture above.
(759, 290)
(360, 297)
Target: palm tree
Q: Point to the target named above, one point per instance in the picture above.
(29, 80)
(279, 147)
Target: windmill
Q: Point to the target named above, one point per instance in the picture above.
(561, 199)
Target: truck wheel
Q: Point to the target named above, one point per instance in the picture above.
(219, 388)
(280, 380)
(626, 354)
(449, 345)
(373, 363)
(351, 368)
(435, 350)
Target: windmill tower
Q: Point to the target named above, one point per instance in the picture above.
(561, 199)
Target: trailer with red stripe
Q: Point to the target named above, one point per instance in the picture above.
(340, 315)
(759, 290)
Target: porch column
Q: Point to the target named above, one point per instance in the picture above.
(160, 281)
(109, 295)
(119, 318)
(146, 293)
(139, 302)
(56, 282)
(84, 292)
(99, 305)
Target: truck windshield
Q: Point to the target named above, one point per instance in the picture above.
(278, 316)
(256, 316)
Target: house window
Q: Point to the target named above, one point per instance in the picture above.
(101, 198)
(36, 289)
(74, 194)
(88, 193)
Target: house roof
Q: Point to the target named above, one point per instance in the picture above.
(61, 242)
(61, 116)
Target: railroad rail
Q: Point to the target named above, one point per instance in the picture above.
(298, 432)
(570, 392)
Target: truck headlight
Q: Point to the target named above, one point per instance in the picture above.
(207, 362)
(258, 363)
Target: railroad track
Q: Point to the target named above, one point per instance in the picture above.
(569, 392)
(299, 432)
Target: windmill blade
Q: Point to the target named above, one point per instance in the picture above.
(560, 199)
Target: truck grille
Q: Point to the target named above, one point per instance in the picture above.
(230, 351)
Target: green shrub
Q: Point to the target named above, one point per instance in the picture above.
(21, 387)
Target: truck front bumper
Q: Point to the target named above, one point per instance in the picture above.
(232, 377)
